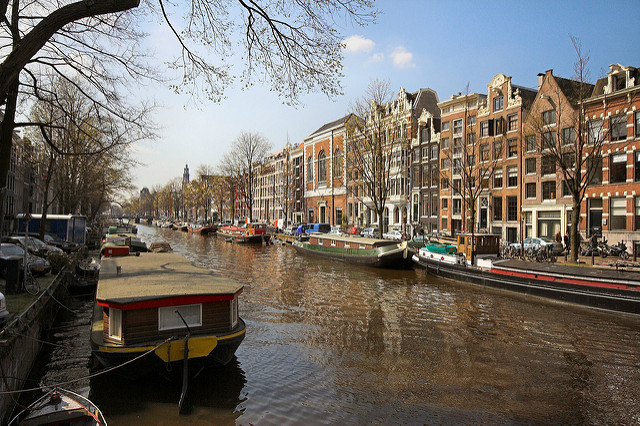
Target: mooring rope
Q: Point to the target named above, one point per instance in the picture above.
(89, 376)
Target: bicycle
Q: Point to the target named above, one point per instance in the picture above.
(31, 285)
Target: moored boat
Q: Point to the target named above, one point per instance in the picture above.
(251, 233)
(60, 407)
(617, 290)
(364, 251)
(161, 304)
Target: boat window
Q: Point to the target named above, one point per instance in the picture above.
(333, 243)
(169, 319)
(115, 323)
(234, 312)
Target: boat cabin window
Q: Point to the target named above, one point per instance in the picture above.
(234, 312)
(115, 324)
(169, 319)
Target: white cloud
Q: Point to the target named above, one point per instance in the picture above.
(402, 58)
(377, 57)
(356, 44)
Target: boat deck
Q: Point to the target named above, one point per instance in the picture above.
(585, 272)
(152, 276)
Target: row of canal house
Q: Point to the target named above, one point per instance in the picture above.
(496, 141)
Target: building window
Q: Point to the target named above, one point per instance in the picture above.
(425, 153)
(594, 170)
(548, 140)
(618, 127)
(484, 129)
(513, 148)
(549, 190)
(471, 121)
(530, 166)
(457, 186)
(512, 122)
(618, 168)
(444, 224)
(434, 151)
(425, 176)
(497, 208)
(115, 323)
(471, 138)
(498, 103)
(444, 183)
(636, 166)
(337, 163)
(445, 126)
(530, 143)
(497, 178)
(484, 152)
(444, 164)
(457, 127)
(457, 206)
(566, 190)
(617, 213)
(549, 117)
(168, 318)
(594, 131)
(568, 136)
(338, 216)
(445, 143)
(548, 165)
(498, 126)
(512, 208)
(434, 175)
(309, 169)
(497, 150)
(530, 190)
(636, 119)
(434, 206)
(636, 212)
(445, 204)
(512, 176)
(322, 167)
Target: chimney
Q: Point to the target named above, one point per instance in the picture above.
(540, 80)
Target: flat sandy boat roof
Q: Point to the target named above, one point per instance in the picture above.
(152, 276)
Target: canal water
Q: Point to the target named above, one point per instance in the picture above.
(332, 343)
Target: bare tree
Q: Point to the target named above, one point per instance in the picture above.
(291, 44)
(375, 147)
(469, 166)
(570, 144)
(247, 151)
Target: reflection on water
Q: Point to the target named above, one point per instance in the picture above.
(333, 343)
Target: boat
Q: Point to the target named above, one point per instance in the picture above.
(134, 243)
(357, 250)
(161, 304)
(610, 289)
(60, 406)
(202, 228)
(251, 233)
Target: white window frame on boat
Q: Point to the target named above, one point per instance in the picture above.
(115, 324)
(234, 312)
(168, 319)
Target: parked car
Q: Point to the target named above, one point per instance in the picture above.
(65, 246)
(35, 246)
(353, 230)
(370, 232)
(37, 265)
(301, 230)
(335, 230)
(555, 247)
(322, 228)
(392, 235)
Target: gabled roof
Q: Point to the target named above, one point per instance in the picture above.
(336, 123)
(571, 89)
(528, 95)
(598, 89)
(426, 99)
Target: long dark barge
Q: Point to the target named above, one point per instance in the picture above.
(616, 290)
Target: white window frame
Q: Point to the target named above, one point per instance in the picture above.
(233, 312)
(115, 324)
(169, 320)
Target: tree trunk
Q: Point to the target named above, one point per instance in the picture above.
(575, 232)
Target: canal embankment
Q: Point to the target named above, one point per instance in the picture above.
(21, 339)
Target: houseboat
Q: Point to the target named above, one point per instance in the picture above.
(202, 228)
(364, 251)
(162, 304)
(611, 289)
(250, 233)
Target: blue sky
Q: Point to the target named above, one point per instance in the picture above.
(442, 45)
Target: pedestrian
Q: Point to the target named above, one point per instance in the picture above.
(566, 241)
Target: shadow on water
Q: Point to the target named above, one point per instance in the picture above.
(214, 393)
